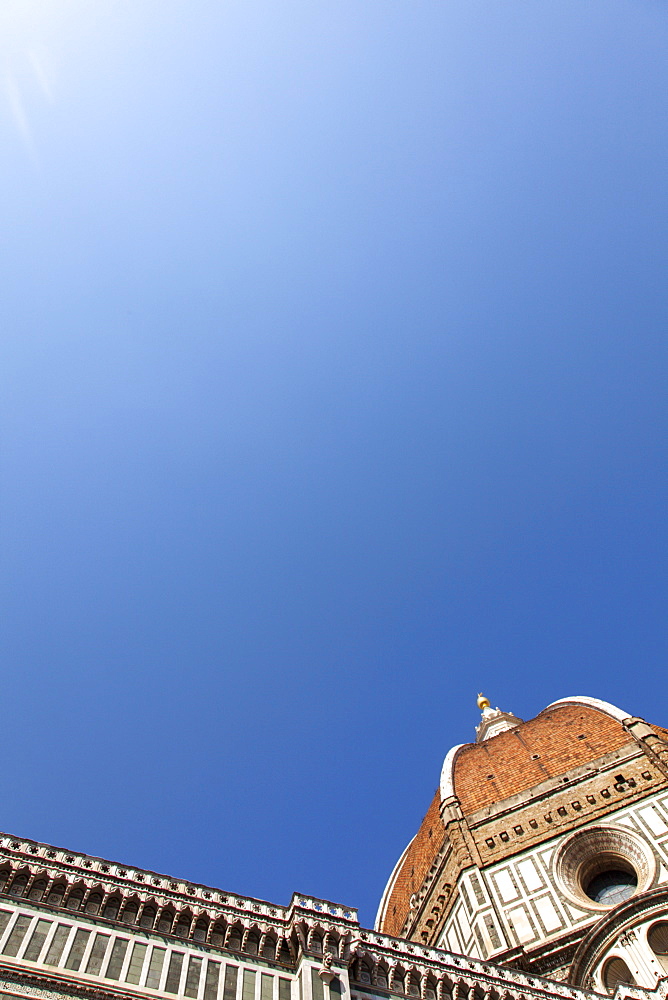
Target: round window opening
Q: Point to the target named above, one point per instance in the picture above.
(612, 886)
(608, 878)
(604, 866)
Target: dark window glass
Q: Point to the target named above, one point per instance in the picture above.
(136, 963)
(230, 989)
(333, 946)
(38, 938)
(4, 919)
(266, 987)
(165, 922)
(211, 981)
(284, 952)
(116, 961)
(317, 989)
(147, 917)
(16, 936)
(192, 976)
(612, 887)
(155, 968)
(248, 987)
(58, 941)
(284, 991)
(77, 949)
(234, 941)
(130, 914)
(97, 954)
(174, 972)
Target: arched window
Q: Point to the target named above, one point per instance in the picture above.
(130, 912)
(94, 902)
(147, 917)
(201, 929)
(658, 942)
(165, 922)
(4, 876)
(74, 899)
(283, 954)
(269, 947)
(252, 943)
(381, 977)
(218, 935)
(430, 991)
(414, 986)
(234, 940)
(56, 894)
(332, 945)
(18, 886)
(398, 983)
(37, 889)
(316, 943)
(183, 926)
(111, 908)
(615, 973)
(363, 972)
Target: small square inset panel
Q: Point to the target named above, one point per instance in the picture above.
(547, 914)
(505, 886)
(522, 924)
(530, 876)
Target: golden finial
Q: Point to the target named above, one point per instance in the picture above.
(483, 702)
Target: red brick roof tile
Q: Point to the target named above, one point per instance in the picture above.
(555, 742)
(419, 858)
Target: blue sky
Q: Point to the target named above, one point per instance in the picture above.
(333, 365)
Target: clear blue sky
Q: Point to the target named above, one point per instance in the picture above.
(332, 391)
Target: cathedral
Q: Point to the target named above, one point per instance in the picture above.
(539, 872)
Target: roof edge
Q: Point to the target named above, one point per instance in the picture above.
(447, 784)
(602, 706)
(385, 898)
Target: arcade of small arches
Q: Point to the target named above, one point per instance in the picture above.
(410, 981)
(149, 914)
(654, 937)
(398, 979)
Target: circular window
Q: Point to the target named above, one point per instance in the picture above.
(612, 887)
(604, 866)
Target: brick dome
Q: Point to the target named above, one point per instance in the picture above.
(562, 737)
(566, 735)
